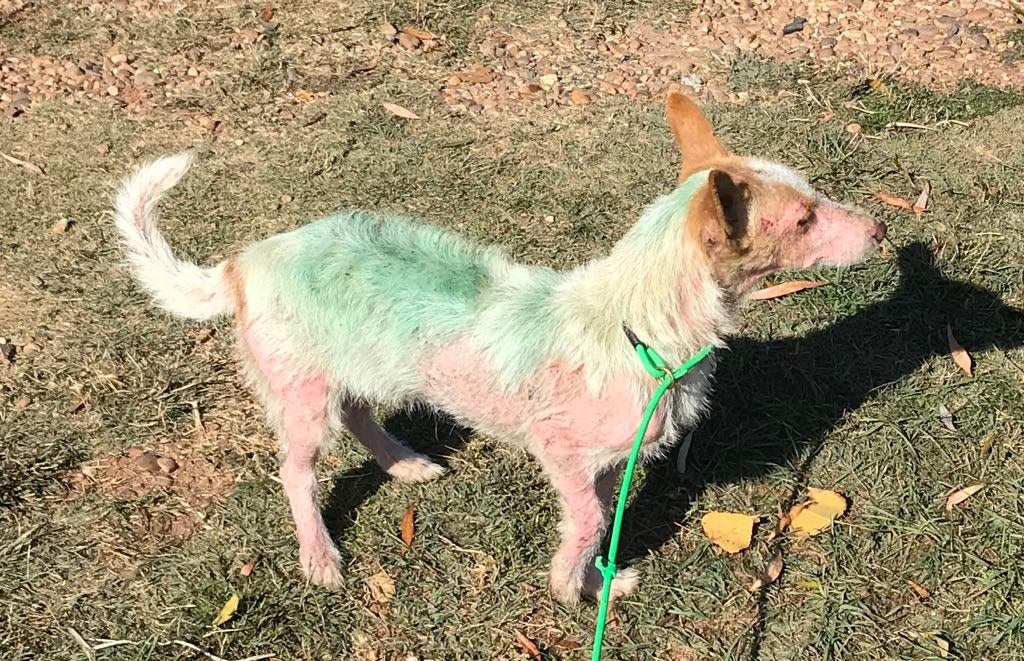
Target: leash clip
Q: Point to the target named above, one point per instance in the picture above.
(608, 569)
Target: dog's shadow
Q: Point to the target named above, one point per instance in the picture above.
(776, 402)
(433, 434)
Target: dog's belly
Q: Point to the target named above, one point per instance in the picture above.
(553, 411)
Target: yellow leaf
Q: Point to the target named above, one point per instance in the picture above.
(785, 288)
(408, 526)
(730, 531)
(227, 611)
(399, 111)
(818, 513)
(959, 354)
(809, 584)
(960, 495)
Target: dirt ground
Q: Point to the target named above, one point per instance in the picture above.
(137, 480)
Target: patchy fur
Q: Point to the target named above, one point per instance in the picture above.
(356, 309)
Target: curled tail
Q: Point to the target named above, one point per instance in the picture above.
(182, 288)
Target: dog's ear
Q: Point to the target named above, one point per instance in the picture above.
(694, 135)
(720, 210)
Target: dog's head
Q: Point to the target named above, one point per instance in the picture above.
(754, 217)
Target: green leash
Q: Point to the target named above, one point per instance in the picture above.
(656, 367)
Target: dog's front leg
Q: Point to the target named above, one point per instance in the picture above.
(585, 508)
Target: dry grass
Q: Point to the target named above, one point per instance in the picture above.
(836, 387)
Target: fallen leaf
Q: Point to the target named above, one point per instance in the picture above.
(960, 495)
(527, 645)
(876, 85)
(408, 526)
(567, 644)
(920, 590)
(419, 34)
(303, 95)
(785, 289)
(399, 111)
(227, 611)
(247, 567)
(986, 446)
(31, 167)
(771, 572)
(684, 452)
(809, 584)
(943, 646)
(959, 354)
(894, 201)
(921, 203)
(818, 513)
(946, 417)
(267, 13)
(382, 587)
(730, 531)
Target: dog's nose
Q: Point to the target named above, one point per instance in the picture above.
(880, 231)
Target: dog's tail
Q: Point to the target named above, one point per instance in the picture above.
(182, 288)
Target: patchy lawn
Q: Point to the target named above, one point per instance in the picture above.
(836, 387)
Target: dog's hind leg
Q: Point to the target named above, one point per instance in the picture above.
(297, 408)
(397, 459)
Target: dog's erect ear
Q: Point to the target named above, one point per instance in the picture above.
(694, 134)
(720, 210)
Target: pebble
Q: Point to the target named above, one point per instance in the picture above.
(148, 462)
(579, 98)
(167, 464)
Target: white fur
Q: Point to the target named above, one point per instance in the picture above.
(182, 288)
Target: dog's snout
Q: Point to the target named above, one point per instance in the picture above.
(880, 232)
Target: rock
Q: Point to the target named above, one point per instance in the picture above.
(148, 462)
(853, 127)
(145, 78)
(454, 81)
(7, 352)
(60, 226)
(548, 79)
(796, 25)
(978, 39)
(477, 74)
(579, 98)
(113, 90)
(102, 149)
(167, 464)
(388, 29)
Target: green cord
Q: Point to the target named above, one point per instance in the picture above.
(656, 367)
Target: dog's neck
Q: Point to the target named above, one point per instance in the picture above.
(653, 280)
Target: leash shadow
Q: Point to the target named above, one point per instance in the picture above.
(776, 402)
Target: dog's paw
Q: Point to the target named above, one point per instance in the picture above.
(322, 566)
(623, 585)
(415, 468)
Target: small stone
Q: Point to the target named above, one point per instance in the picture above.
(88, 471)
(388, 29)
(192, 72)
(796, 25)
(113, 90)
(134, 453)
(146, 78)
(829, 42)
(148, 462)
(36, 281)
(548, 79)
(978, 39)
(167, 464)
(22, 402)
(408, 41)
(29, 348)
(118, 58)
(827, 52)
(454, 81)
(853, 127)
(579, 97)
(102, 148)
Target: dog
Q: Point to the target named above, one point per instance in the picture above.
(355, 310)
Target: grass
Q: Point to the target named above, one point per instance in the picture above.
(836, 387)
